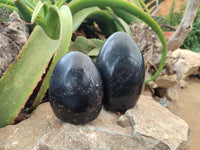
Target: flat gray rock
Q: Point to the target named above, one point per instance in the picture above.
(149, 126)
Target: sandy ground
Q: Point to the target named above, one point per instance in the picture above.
(189, 110)
(166, 5)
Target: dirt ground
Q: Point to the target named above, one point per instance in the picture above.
(189, 110)
(166, 5)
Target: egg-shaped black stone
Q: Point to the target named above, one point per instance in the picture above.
(121, 66)
(76, 89)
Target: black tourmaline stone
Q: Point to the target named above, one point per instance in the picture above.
(76, 89)
(121, 66)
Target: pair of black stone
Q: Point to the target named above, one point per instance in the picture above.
(78, 87)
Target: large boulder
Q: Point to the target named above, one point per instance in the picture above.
(148, 126)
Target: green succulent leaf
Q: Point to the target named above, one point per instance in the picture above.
(8, 2)
(126, 26)
(91, 47)
(107, 22)
(34, 1)
(65, 19)
(121, 25)
(60, 3)
(25, 12)
(49, 2)
(98, 45)
(136, 3)
(52, 23)
(29, 4)
(127, 17)
(39, 6)
(144, 7)
(18, 83)
(82, 44)
(80, 16)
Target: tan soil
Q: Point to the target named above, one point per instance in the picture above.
(166, 5)
(189, 109)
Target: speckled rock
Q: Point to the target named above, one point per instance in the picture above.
(13, 35)
(146, 127)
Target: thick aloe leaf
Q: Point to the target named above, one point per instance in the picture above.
(126, 27)
(80, 16)
(18, 83)
(101, 17)
(98, 45)
(52, 24)
(136, 2)
(91, 47)
(125, 16)
(60, 3)
(8, 2)
(82, 44)
(34, 2)
(106, 22)
(144, 7)
(47, 1)
(65, 19)
(121, 25)
(29, 4)
(25, 12)
(41, 8)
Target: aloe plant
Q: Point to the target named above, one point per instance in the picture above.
(51, 26)
(19, 81)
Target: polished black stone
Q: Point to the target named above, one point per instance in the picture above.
(121, 66)
(76, 89)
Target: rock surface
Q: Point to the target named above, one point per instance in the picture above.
(173, 93)
(192, 62)
(13, 36)
(166, 81)
(180, 64)
(148, 126)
